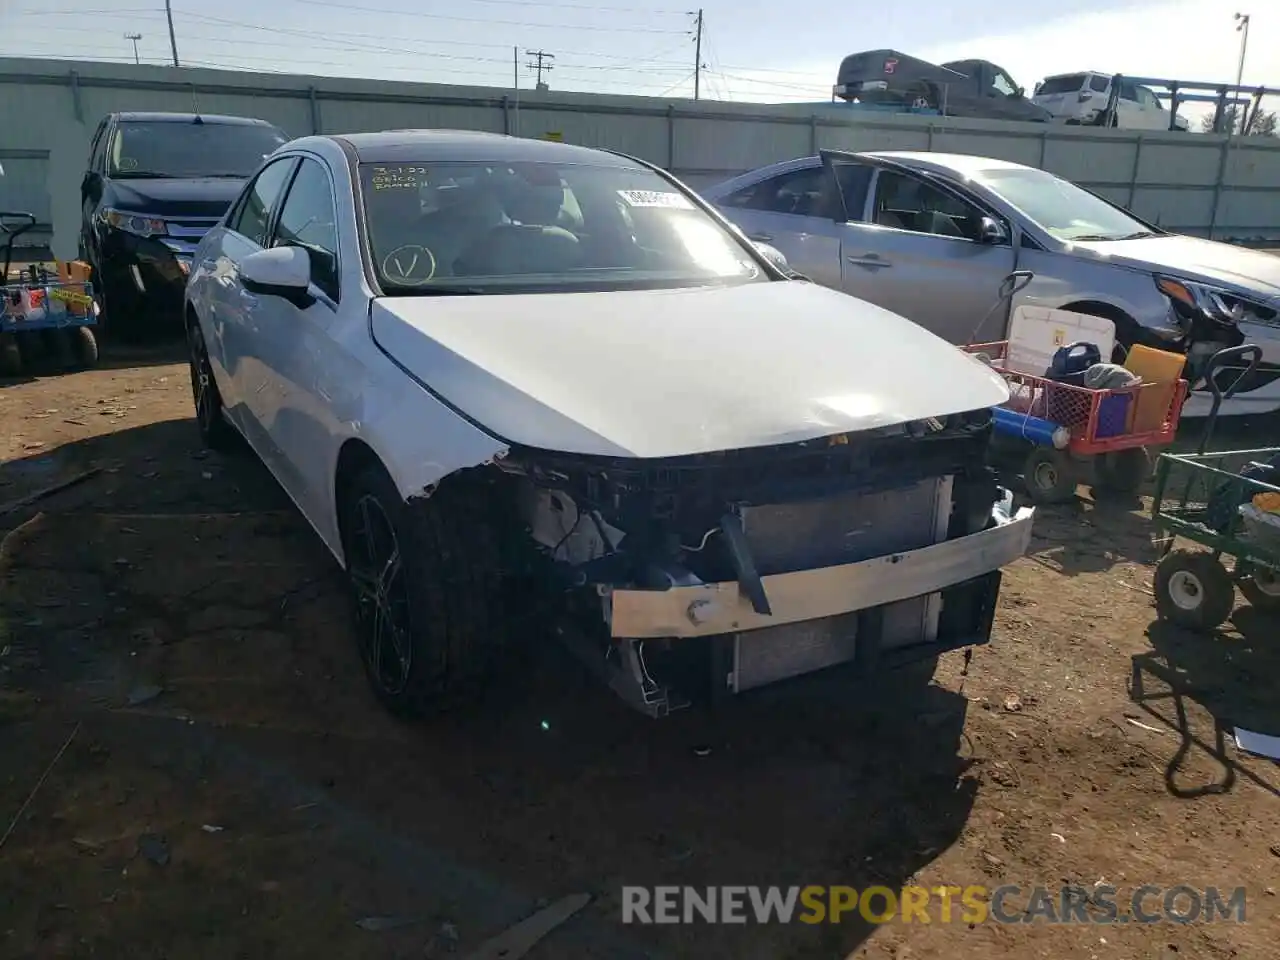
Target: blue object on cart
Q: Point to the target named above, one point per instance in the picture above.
(1036, 429)
(1113, 415)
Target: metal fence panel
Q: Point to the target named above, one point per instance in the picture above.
(1194, 183)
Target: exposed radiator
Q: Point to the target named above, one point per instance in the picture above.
(825, 532)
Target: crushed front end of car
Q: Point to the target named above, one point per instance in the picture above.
(695, 578)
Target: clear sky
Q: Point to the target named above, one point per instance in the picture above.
(752, 50)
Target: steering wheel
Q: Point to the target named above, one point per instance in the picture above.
(409, 265)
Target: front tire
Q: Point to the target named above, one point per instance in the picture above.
(1050, 476)
(215, 432)
(427, 585)
(1193, 590)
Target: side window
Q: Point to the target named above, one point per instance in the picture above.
(800, 192)
(1128, 90)
(1148, 98)
(907, 203)
(1002, 84)
(308, 219)
(854, 180)
(1099, 84)
(253, 218)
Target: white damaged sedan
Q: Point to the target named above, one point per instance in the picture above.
(500, 375)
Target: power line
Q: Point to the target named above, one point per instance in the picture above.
(484, 20)
(258, 66)
(321, 42)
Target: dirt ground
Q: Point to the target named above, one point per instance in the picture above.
(229, 788)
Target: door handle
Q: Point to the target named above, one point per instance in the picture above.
(871, 261)
(761, 237)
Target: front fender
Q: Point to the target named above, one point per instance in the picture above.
(418, 439)
(1062, 280)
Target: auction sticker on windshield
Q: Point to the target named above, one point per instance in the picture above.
(403, 178)
(655, 198)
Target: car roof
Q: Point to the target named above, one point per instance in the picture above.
(421, 146)
(160, 117)
(962, 164)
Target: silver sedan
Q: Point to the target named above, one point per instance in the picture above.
(931, 235)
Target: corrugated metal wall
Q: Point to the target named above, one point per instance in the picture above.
(1200, 184)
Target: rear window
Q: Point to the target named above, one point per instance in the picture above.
(1069, 84)
(157, 148)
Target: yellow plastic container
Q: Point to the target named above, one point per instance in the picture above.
(1162, 369)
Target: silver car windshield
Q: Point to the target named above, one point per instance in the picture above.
(1060, 208)
(450, 227)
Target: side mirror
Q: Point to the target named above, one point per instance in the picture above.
(1035, 90)
(1020, 92)
(992, 231)
(283, 272)
(773, 255)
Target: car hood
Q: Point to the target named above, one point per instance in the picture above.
(667, 373)
(1248, 271)
(203, 197)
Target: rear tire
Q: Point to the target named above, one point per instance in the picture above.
(1193, 590)
(84, 347)
(1124, 471)
(428, 592)
(1260, 585)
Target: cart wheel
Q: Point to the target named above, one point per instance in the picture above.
(1123, 471)
(84, 347)
(1193, 590)
(57, 343)
(1260, 585)
(1049, 475)
(10, 356)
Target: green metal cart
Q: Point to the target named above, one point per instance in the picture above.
(1206, 498)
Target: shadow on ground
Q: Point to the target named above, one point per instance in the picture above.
(192, 618)
(1203, 687)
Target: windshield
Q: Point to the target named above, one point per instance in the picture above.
(175, 149)
(507, 227)
(1062, 84)
(1061, 208)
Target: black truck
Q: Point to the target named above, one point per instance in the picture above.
(961, 88)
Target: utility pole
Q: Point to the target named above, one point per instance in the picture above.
(173, 40)
(697, 55)
(135, 37)
(540, 64)
(1237, 116)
